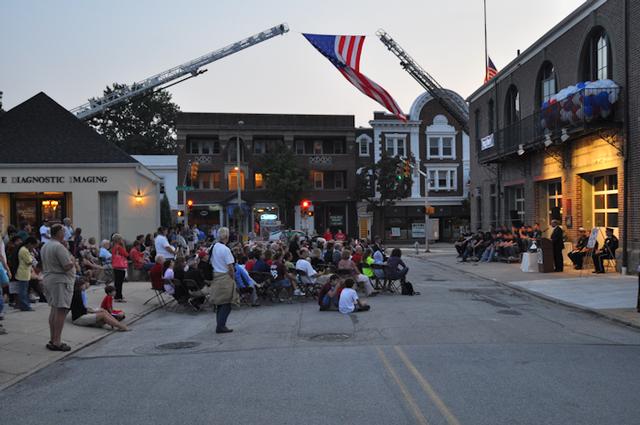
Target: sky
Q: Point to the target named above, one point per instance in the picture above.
(72, 49)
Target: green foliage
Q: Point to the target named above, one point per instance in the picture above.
(284, 179)
(143, 125)
(384, 178)
(165, 212)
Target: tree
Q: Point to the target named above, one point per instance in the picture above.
(165, 212)
(381, 184)
(142, 125)
(284, 179)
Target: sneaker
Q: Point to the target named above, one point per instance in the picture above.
(298, 293)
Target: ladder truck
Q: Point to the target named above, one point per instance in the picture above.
(172, 76)
(453, 105)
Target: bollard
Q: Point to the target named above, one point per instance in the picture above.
(416, 245)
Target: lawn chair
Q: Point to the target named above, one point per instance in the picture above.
(157, 285)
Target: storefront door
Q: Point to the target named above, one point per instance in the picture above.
(35, 207)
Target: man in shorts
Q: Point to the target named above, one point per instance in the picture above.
(59, 277)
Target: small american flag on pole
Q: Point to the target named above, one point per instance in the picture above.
(491, 70)
(344, 51)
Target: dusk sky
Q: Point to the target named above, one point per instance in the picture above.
(72, 49)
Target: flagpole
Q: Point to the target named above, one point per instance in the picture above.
(486, 54)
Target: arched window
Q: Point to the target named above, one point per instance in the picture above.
(232, 151)
(512, 106)
(491, 113)
(596, 56)
(547, 83)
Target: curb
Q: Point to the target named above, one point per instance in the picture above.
(90, 342)
(595, 312)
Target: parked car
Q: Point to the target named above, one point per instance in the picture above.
(286, 235)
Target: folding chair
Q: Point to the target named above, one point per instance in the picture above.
(157, 285)
(378, 283)
(391, 284)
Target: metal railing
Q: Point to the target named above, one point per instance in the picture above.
(532, 130)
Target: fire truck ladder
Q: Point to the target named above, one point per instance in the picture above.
(452, 104)
(168, 78)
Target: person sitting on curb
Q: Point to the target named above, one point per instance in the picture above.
(349, 301)
(83, 316)
(107, 303)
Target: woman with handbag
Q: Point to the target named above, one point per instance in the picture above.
(120, 264)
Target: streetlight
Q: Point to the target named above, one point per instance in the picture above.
(240, 124)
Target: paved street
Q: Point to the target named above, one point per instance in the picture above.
(466, 351)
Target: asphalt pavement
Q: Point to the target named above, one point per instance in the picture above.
(465, 351)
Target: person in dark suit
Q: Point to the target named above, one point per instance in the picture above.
(580, 250)
(557, 238)
(607, 252)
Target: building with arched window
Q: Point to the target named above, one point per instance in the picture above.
(562, 121)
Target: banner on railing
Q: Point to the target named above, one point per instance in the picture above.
(487, 142)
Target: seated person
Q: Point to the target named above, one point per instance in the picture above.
(89, 266)
(244, 282)
(180, 271)
(204, 266)
(279, 274)
(81, 315)
(580, 250)
(348, 265)
(349, 301)
(378, 258)
(156, 274)
(105, 254)
(607, 252)
(396, 268)
(167, 277)
(316, 259)
(461, 243)
(303, 264)
(367, 261)
(107, 303)
(329, 295)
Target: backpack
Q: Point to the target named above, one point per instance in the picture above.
(407, 289)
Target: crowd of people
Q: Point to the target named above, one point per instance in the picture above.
(504, 244)
(56, 264)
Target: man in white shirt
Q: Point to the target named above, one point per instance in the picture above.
(304, 265)
(223, 289)
(163, 247)
(68, 229)
(349, 301)
(45, 232)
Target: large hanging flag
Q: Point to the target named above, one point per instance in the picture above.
(491, 70)
(343, 51)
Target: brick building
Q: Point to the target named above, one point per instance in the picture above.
(539, 152)
(441, 150)
(323, 144)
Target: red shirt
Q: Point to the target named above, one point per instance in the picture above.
(340, 236)
(356, 258)
(156, 277)
(107, 303)
(137, 257)
(248, 266)
(328, 236)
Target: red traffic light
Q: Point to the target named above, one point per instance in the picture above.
(190, 203)
(305, 204)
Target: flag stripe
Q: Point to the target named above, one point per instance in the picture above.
(360, 44)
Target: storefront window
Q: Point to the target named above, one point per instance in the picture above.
(605, 200)
(35, 207)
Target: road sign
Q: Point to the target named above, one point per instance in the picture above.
(184, 187)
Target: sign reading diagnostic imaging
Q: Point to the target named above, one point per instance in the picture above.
(52, 179)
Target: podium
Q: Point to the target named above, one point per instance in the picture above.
(545, 260)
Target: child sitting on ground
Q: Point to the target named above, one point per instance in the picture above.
(330, 293)
(107, 303)
(349, 301)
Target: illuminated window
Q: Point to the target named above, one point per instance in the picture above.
(554, 196)
(605, 200)
(258, 181)
(208, 180)
(318, 179)
(233, 180)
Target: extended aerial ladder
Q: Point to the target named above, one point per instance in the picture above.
(172, 76)
(452, 104)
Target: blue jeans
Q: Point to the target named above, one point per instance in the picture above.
(222, 313)
(1, 300)
(23, 295)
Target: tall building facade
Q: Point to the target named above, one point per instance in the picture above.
(555, 133)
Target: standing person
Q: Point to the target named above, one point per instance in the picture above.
(23, 275)
(340, 237)
(163, 247)
(75, 246)
(120, 264)
(5, 273)
(328, 236)
(59, 277)
(45, 232)
(223, 289)
(294, 247)
(68, 232)
(557, 238)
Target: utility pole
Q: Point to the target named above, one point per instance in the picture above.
(238, 180)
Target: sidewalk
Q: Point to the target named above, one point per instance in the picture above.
(609, 295)
(22, 349)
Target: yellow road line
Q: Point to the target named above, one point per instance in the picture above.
(444, 410)
(417, 413)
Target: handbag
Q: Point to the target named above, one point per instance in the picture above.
(4, 277)
(119, 262)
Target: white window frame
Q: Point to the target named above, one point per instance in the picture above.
(364, 141)
(392, 142)
(438, 131)
(451, 175)
(606, 192)
(554, 196)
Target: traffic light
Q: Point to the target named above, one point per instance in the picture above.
(190, 204)
(399, 170)
(305, 206)
(180, 213)
(193, 172)
(310, 213)
(407, 169)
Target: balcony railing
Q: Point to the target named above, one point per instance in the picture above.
(585, 111)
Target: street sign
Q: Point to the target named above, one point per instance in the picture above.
(184, 187)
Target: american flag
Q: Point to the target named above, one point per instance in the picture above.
(491, 70)
(344, 51)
